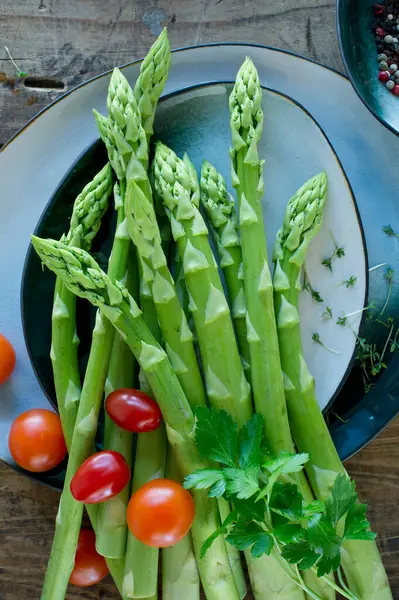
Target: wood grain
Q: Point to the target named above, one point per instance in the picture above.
(72, 40)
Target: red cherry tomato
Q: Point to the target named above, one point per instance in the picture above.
(7, 359)
(133, 410)
(36, 441)
(160, 513)
(100, 477)
(90, 567)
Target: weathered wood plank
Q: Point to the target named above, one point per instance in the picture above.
(71, 41)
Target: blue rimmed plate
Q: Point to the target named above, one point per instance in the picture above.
(41, 155)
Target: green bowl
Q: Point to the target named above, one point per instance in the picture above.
(359, 54)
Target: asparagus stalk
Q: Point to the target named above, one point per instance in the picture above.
(112, 530)
(83, 276)
(127, 144)
(219, 205)
(143, 229)
(70, 512)
(88, 210)
(246, 120)
(180, 577)
(360, 559)
(179, 190)
(141, 564)
(226, 384)
(151, 81)
(144, 232)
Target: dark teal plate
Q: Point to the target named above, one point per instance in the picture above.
(356, 40)
(350, 411)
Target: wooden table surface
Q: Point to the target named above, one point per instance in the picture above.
(61, 43)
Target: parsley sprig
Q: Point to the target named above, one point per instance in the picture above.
(269, 514)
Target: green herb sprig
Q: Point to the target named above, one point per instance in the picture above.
(269, 514)
(389, 231)
(339, 252)
(316, 338)
(18, 73)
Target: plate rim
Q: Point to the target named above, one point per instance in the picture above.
(175, 50)
(349, 76)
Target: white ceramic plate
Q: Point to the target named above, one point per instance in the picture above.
(36, 160)
(294, 148)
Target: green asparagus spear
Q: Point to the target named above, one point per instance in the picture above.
(143, 229)
(175, 183)
(141, 568)
(82, 275)
(177, 336)
(246, 120)
(361, 561)
(127, 144)
(111, 524)
(225, 379)
(87, 213)
(70, 512)
(219, 205)
(180, 579)
(151, 81)
(84, 224)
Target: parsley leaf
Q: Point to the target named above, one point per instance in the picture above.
(357, 526)
(206, 478)
(325, 565)
(317, 506)
(301, 554)
(247, 534)
(341, 498)
(286, 463)
(250, 509)
(242, 483)
(322, 536)
(220, 531)
(290, 533)
(216, 436)
(250, 440)
(286, 500)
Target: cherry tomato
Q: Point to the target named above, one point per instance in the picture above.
(36, 441)
(90, 567)
(7, 359)
(160, 513)
(100, 477)
(133, 410)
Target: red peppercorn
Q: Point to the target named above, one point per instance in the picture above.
(378, 9)
(380, 32)
(396, 90)
(383, 76)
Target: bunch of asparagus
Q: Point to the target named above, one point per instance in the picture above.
(251, 358)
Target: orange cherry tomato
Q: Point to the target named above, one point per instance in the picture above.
(90, 567)
(36, 440)
(7, 359)
(160, 513)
